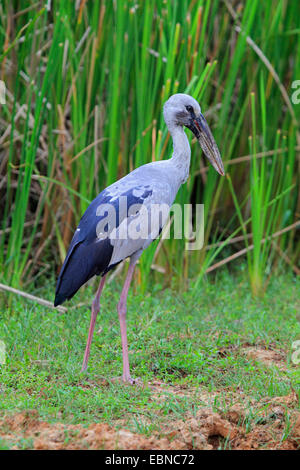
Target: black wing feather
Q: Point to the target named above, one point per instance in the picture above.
(87, 255)
(85, 261)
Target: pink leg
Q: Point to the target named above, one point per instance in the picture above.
(95, 311)
(122, 308)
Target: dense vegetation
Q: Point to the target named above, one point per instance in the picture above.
(207, 337)
(86, 82)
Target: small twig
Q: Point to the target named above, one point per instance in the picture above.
(28, 26)
(250, 247)
(32, 297)
(286, 258)
(247, 158)
(159, 269)
(274, 74)
(240, 238)
(26, 10)
(26, 224)
(267, 64)
(89, 147)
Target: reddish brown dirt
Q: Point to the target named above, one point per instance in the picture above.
(269, 424)
(61, 436)
(206, 430)
(266, 356)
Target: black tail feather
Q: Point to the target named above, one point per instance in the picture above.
(85, 261)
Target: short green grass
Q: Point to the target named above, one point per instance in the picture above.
(194, 339)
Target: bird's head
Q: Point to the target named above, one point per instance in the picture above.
(184, 110)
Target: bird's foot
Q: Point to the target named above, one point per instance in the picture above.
(128, 381)
(131, 381)
(83, 368)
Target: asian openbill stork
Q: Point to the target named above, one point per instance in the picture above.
(95, 249)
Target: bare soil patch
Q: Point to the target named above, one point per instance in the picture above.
(206, 430)
(266, 356)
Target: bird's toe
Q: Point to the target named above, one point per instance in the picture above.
(129, 381)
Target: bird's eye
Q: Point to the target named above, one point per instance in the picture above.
(189, 108)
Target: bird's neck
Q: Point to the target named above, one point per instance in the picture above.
(181, 152)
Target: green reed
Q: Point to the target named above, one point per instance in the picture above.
(86, 90)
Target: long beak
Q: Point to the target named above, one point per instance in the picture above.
(202, 132)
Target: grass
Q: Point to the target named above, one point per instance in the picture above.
(85, 89)
(86, 82)
(195, 340)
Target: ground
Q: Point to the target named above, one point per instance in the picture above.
(217, 367)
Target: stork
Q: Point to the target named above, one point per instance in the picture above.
(98, 245)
